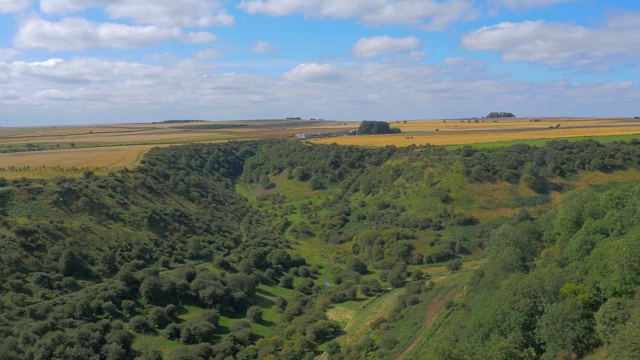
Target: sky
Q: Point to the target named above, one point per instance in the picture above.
(122, 61)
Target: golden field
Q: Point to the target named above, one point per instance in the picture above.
(456, 132)
(71, 150)
(71, 162)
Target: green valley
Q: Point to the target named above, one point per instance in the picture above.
(285, 250)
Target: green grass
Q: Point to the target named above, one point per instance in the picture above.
(360, 323)
(146, 343)
(543, 142)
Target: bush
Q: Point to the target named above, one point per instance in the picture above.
(196, 332)
(254, 314)
(139, 324)
(211, 316)
(454, 265)
(158, 318)
(172, 331)
(286, 282)
(128, 307)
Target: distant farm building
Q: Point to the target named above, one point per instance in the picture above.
(305, 136)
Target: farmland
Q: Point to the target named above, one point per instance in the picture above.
(46, 152)
(470, 132)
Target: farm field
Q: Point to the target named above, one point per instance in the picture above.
(454, 132)
(71, 162)
(45, 152)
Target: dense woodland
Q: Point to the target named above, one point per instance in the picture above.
(188, 255)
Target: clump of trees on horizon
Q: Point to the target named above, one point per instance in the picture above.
(493, 115)
(376, 128)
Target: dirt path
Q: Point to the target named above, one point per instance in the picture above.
(431, 315)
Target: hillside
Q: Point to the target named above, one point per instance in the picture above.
(286, 250)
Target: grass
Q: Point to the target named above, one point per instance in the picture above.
(361, 322)
(146, 343)
(543, 142)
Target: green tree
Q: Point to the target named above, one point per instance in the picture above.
(376, 127)
(254, 314)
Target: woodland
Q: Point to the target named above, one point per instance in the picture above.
(240, 250)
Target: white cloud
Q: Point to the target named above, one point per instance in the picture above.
(206, 54)
(6, 54)
(96, 90)
(560, 44)
(8, 95)
(80, 70)
(428, 14)
(79, 34)
(13, 6)
(187, 13)
(64, 6)
(261, 47)
(374, 46)
(527, 4)
(313, 72)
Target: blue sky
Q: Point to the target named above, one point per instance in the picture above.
(117, 61)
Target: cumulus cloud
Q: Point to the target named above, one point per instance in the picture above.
(13, 6)
(428, 14)
(527, 4)
(206, 54)
(560, 44)
(261, 47)
(374, 46)
(313, 72)
(80, 70)
(6, 54)
(107, 90)
(79, 34)
(187, 13)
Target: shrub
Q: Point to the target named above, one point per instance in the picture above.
(254, 314)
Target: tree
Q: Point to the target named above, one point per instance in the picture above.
(211, 316)
(286, 282)
(333, 349)
(494, 115)
(566, 326)
(71, 265)
(151, 290)
(611, 318)
(376, 127)
(454, 265)
(158, 318)
(254, 314)
(172, 331)
(139, 324)
(370, 287)
(355, 264)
